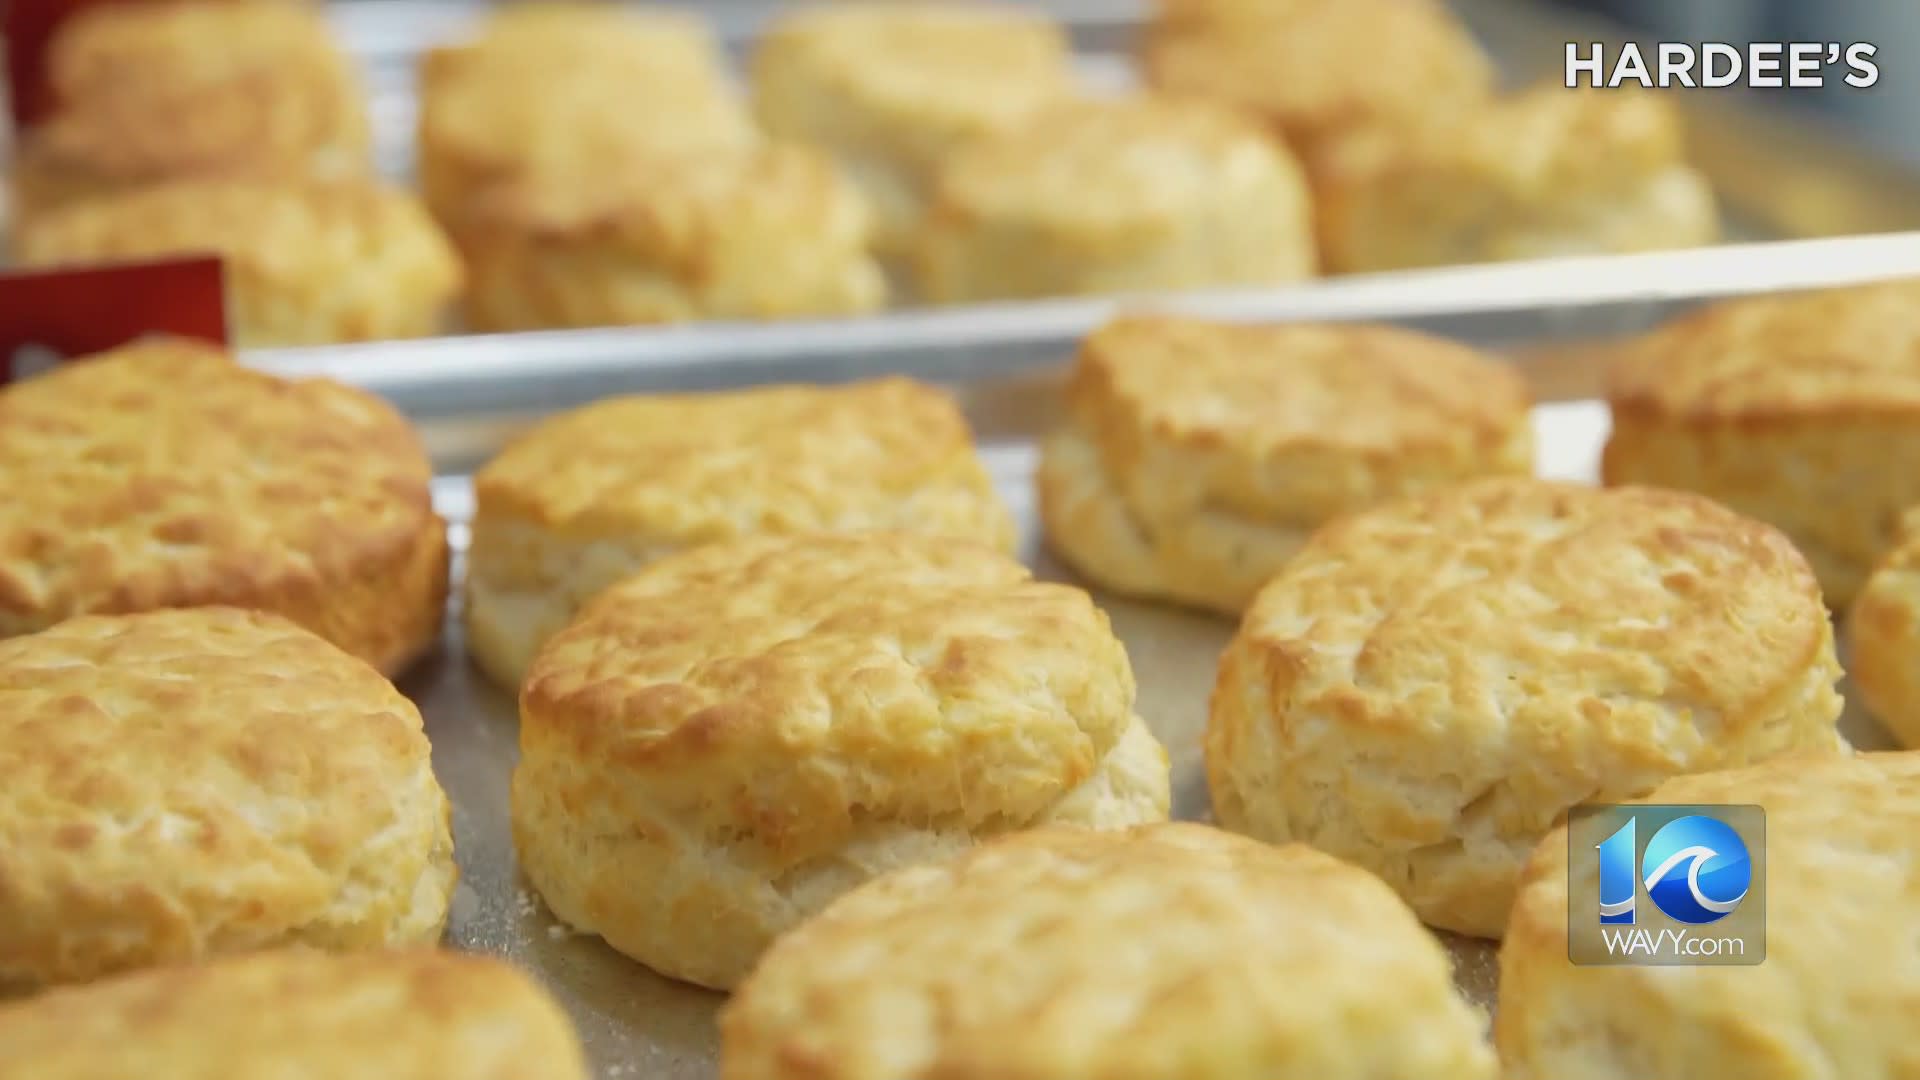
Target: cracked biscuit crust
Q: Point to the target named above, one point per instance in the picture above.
(1430, 685)
(1198, 456)
(1165, 950)
(181, 784)
(163, 474)
(754, 727)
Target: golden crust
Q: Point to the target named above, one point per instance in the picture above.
(1543, 173)
(563, 87)
(165, 475)
(771, 232)
(182, 784)
(1883, 636)
(754, 727)
(1835, 996)
(1797, 410)
(1166, 950)
(1430, 685)
(1116, 196)
(892, 90)
(590, 496)
(306, 262)
(154, 91)
(405, 1015)
(1198, 456)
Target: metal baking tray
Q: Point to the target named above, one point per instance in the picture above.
(638, 1024)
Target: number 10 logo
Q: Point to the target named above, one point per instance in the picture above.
(1695, 868)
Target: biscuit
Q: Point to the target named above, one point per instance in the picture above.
(1197, 457)
(1797, 410)
(157, 91)
(1317, 72)
(1836, 992)
(306, 262)
(559, 87)
(775, 232)
(1883, 637)
(1135, 195)
(413, 1014)
(753, 728)
(1546, 173)
(588, 497)
(891, 90)
(1070, 954)
(182, 784)
(165, 475)
(1430, 685)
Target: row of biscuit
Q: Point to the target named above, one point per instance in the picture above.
(794, 723)
(592, 165)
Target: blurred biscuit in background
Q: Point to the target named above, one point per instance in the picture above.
(1430, 685)
(559, 88)
(1118, 196)
(151, 92)
(1798, 410)
(412, 1014)
(182, 784)
(306, 262)
(766, 233)
(727, 740)
(1883, 636)
(163, 474)
(1163, 950)
(1545, 173)
(1198, 457)
(892, 90)
(588, 497)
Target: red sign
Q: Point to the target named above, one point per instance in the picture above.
(80, 310)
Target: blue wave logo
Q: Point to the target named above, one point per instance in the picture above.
(1696, 869)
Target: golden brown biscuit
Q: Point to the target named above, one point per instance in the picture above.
(1135, 195)
(587, 498)
(157, 91)
(1198, 457)
(1320, 71)
(560, 87)
(1883, 636)
(893, 89)
(1164, 950)
(775, 232)
(1547, 172)
(1430, 685)
(306, 262)
(1836, 993)
(755, 727)
(1797, 410)
(407, 1015)
(187, 783)
(165, 475)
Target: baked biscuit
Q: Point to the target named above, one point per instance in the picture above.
(775, 232)
(1836, 993)
(588, 497)
(157, 91)
(755, 727)
(559, 87)
(1883, 637)
(165, 475)
(1197, 457)
(306, 262)
(1545, 173)
(1164, 950)
(1111, 197)
(415, 1014)
(1430, 685)
(1798, 410)
(1319, 72)
(891, 90)
(187, 783)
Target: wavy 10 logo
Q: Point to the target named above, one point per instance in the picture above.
(1666, 885)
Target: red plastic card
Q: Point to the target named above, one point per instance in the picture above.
(75, 311)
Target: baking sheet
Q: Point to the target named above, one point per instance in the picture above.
(638, 1024)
